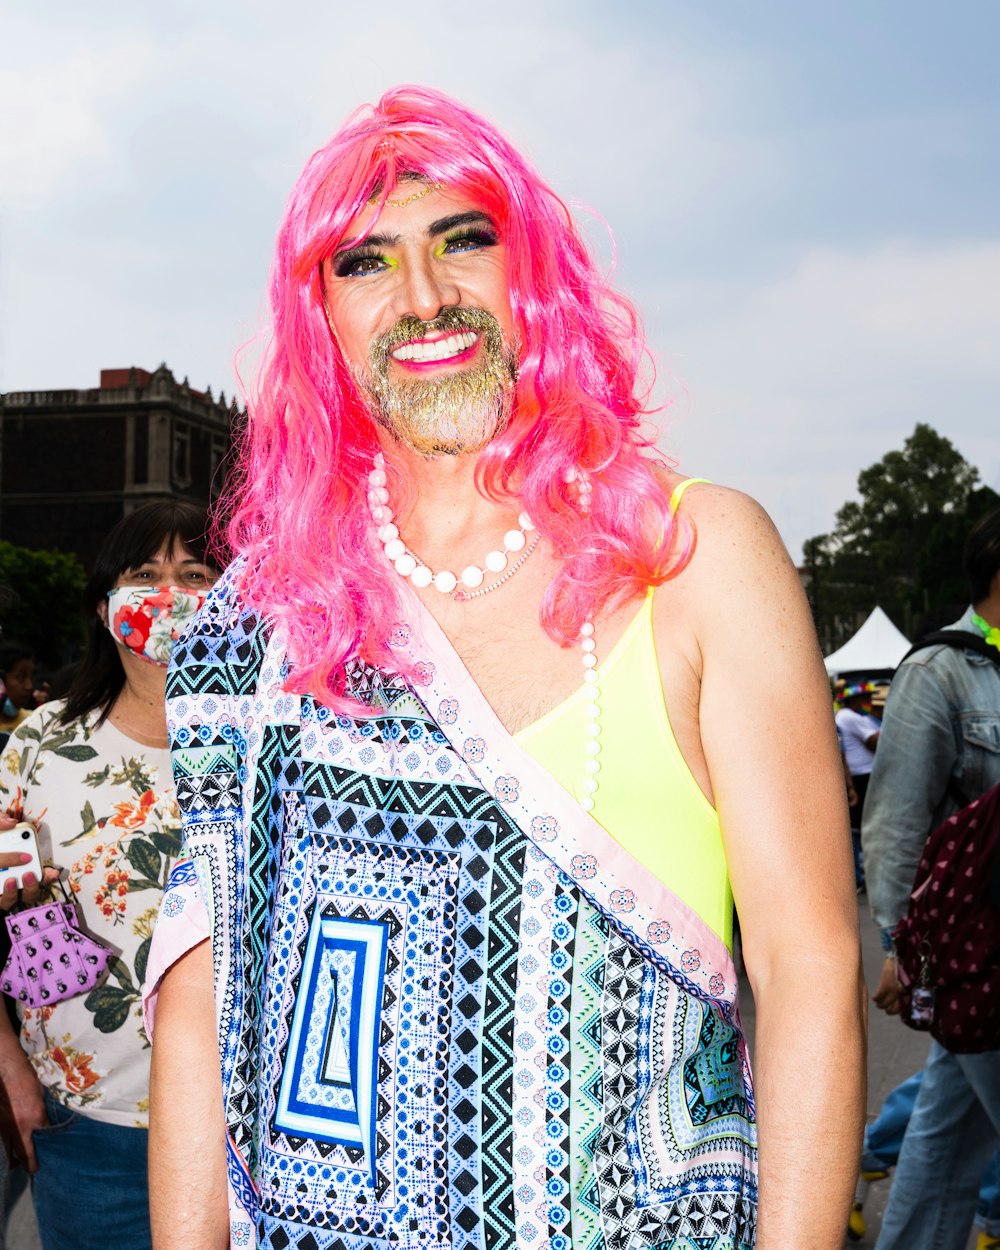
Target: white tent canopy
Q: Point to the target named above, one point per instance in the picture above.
(878, 644)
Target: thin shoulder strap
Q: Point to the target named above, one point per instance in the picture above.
(680, 488)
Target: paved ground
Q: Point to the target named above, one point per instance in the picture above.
(894, 1052)
(22, 1233)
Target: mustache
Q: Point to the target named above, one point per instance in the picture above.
(449, 321)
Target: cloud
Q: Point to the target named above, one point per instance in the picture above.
(149, 183)
(149, 151)
(58, 115)
(819, 372)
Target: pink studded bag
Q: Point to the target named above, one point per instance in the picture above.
(948, 944)
(50, 958)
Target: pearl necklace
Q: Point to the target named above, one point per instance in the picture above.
(409, 565)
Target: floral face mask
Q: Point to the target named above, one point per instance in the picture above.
(148, 620)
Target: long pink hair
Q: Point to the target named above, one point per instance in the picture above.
(297, 498)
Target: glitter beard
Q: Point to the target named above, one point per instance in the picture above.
(452, 414)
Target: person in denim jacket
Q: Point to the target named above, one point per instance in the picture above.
(939, 748)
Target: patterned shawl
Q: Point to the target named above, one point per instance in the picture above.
(452, 1009)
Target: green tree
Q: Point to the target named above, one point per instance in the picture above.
(40, 595)
(900, 544)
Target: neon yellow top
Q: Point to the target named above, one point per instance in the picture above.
(648, 799)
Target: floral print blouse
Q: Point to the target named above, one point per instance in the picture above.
(106, 813)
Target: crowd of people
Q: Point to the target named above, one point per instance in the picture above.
(936, 752)
(418, 866)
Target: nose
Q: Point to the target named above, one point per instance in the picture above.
(424, 291)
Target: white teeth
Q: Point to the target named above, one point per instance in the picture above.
(440, 349)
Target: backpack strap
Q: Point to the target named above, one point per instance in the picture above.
(956, 638)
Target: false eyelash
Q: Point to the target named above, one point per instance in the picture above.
(474, 234)
(342, 264)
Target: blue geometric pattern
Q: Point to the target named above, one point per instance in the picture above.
(327, 1089)
(430, 1035)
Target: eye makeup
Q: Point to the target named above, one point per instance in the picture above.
(358, 261)
(468, 240)
(462, 232)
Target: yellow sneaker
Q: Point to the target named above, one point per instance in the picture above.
(856, 1222)
(986, 1242)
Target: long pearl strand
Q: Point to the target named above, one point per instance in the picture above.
(592, 689)
(408, 565)
(591, 678)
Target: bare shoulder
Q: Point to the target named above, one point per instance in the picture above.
(730, 526)
(712, 503)
(736, 613)
(738, 563)
(732, 622)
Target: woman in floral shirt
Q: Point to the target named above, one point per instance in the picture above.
(93, 775)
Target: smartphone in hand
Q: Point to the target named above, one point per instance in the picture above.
(21, 839)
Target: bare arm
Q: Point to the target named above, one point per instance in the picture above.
(187, 1134)
(781, 803)
(22, 1098)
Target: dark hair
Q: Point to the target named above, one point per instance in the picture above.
(135, 539)
(12, 653)
(982, 555)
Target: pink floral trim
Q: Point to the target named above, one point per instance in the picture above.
(691, 960)
(622, 900)
(545, 828)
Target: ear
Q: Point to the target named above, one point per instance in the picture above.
(102, 612)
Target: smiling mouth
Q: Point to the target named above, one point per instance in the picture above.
(429, 351)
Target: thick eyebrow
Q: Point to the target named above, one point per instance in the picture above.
(444, 224)
(369, 240)
(441, 226)
(152, 560)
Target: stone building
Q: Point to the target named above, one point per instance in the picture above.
(72, 463)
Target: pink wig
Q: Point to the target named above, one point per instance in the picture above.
(297, 498)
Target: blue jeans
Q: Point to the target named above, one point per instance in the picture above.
(90, 1190)
(884, 1136)
(953, 1132)
(884, 1140)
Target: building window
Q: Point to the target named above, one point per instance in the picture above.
(140, 469)
(217, 454)
(182, 454)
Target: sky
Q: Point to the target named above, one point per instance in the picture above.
(804, 198)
